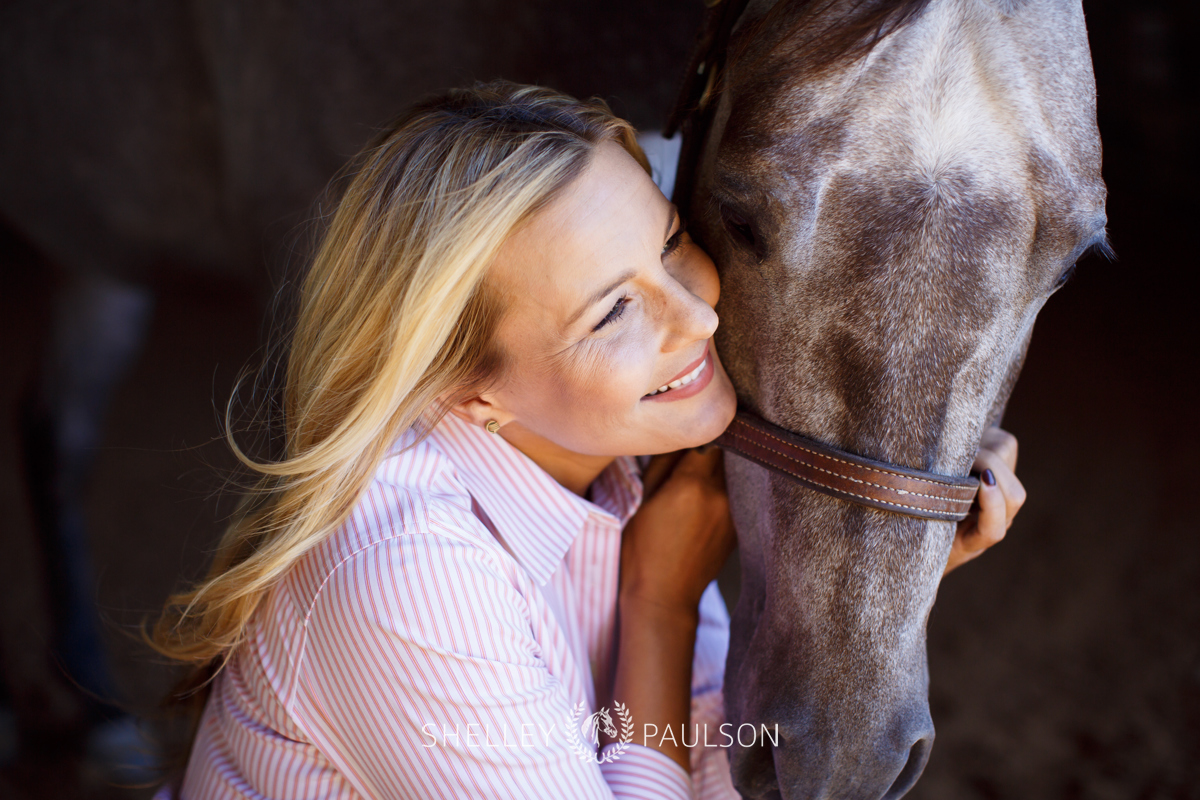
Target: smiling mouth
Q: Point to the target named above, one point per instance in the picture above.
(684, 381)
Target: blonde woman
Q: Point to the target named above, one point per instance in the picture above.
(421, 597)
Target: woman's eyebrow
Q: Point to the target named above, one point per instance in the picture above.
(600, 295)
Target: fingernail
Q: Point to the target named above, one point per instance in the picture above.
(989, 478)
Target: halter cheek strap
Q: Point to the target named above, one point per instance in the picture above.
(911, 492)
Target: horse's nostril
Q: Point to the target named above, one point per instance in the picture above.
(753, 772)
(918, 755)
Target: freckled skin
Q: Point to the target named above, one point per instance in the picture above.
(571, 397)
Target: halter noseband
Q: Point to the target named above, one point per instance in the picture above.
(912, 492)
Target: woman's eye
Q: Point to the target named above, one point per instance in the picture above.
(617, 311)
(676, 241)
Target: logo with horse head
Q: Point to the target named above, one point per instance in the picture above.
(591, 727)
(585, 736)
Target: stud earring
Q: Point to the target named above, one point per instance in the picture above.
(492, 426)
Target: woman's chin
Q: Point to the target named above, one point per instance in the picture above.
(704, 424)
(723, 402)
(721, 412)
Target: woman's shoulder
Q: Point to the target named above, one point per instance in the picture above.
(412, 567)
(410, 564)
(415, 491)
(415, 514)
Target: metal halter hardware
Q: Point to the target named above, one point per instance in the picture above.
(826, 469)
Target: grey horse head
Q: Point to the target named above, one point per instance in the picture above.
(891, 192)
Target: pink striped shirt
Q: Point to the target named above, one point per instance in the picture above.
(440, 643)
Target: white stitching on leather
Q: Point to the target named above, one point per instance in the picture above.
(924, 511)
(842, 461)
(855, 480)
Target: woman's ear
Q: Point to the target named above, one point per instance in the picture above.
(479, 410)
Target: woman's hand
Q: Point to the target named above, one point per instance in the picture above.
(1001, 495)
(679, 539)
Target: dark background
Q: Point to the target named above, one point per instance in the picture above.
(1065, 663)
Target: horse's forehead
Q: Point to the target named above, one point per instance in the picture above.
(1008, 100)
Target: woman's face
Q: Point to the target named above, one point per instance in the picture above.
(607, 301)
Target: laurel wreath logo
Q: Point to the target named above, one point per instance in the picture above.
(590, 729)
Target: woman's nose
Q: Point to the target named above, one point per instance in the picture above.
(691, 317)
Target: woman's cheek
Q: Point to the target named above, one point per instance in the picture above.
(584, 374)
(638, 359)
(616, 372)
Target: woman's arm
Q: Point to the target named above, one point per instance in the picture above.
(671, 551)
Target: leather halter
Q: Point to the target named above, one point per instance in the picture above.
(912, 492)
(826, 469)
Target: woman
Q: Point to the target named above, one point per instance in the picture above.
(421, 598)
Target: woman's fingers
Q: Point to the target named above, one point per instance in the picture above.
(678, 540)
(993, 519)
(701, 462)
(985, 526)
(1002, 443)
(1001, 496)
(658, 470)
(1006, 497)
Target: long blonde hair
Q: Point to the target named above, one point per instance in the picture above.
(394, 323)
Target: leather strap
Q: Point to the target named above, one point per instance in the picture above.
(694, 105)
(911, 492)
(706, 62)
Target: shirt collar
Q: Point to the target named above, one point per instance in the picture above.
(537, 517)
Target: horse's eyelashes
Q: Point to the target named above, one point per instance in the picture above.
(741, 230)
(1065, 276)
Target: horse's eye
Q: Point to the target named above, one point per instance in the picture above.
(1064, 277)
(1098, 247)
(741, 230)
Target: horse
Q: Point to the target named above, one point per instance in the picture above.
(891, 190)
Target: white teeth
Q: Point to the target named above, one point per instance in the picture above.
(684, 381)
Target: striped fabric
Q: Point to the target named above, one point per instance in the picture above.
(443, 642)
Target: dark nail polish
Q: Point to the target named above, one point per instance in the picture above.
(989, 478)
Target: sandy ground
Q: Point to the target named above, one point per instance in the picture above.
(1065, 664)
